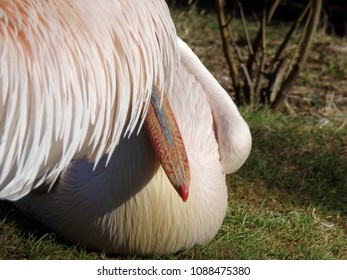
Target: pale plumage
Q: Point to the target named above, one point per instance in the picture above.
(67, 81)
(85, 83)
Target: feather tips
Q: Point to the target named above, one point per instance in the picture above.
(73, 75)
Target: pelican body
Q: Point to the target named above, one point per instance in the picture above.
(80, 159)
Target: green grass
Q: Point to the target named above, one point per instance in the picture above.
(290, 198)
(289, 201)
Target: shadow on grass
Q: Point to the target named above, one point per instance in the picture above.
(302, 163)
(25, 238)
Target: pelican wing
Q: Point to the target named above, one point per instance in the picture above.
(73, 75)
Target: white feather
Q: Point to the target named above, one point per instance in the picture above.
(67, 80)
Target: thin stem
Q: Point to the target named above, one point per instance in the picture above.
(226, 38)
(305, 48)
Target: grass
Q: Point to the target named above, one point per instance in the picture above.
(289, 201)
(291, 195)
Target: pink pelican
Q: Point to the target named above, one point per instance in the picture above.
(78, 79)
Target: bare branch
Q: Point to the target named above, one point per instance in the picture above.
(232, 13)
(257, 39)
(261, 69)
(245, 28)
(226, 38)
(276, 80)
(272, 10)
(305, 48)
(289, 35)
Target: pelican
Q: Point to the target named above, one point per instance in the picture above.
(78, 80)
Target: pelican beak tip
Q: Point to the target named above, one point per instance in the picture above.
(183, 192)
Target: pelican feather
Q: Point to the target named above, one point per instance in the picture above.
(67, 81)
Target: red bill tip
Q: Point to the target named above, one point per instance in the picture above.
(183, 192)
